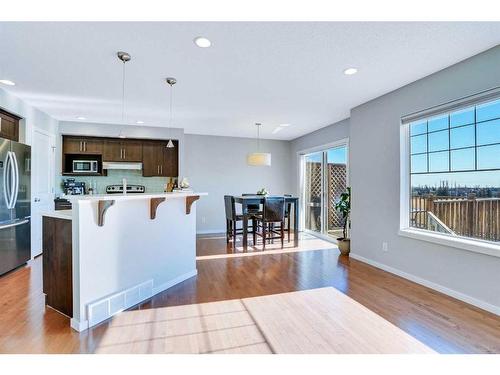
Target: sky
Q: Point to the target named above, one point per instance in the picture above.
(447, 142)
(336, 155)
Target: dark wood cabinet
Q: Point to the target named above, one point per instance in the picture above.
(132, 150)
(82, 146)
(57, 264)
(122, 150)
(156, 158)
(9, 126)
(170, 163)
(150, 166)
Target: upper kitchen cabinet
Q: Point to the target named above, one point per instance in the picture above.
(9, 126)
(171, 160)
(82, 145)
(122, 150)
(158, 160)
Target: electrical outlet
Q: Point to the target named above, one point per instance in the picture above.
(385, 247)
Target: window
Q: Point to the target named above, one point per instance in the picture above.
(454, 172)
(324, 179)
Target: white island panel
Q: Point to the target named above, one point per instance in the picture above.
(130, 249)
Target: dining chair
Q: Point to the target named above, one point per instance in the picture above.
(252, 208)
(288, 209)
(232, 218)
(273, 213)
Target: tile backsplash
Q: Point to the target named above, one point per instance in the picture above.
(114, 177)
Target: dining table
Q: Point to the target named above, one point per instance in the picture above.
(249, 200)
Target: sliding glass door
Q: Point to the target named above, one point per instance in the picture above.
(313, 184)
(324, 179)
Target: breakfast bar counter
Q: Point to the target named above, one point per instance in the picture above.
(124, 249)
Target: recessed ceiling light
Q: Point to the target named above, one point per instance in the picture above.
(139, 122)
(350, 71)
(80, 118)
(284, 125)
(202, 42)
(7, 82)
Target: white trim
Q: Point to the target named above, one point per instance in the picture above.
(78, 325)
(478, 98)
(300, 161)
(177, 280)
(476, 246)
(429, 284)
(211, 231)
(322, 236)
(338, 143)
(469, 244)
(404, 185)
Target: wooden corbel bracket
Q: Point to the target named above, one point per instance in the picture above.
(153, 206)
(102, 207)
(189, 202)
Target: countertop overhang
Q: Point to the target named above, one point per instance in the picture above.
(120, 197)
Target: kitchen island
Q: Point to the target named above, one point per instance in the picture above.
(124, 249)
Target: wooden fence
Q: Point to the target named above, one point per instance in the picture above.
(471, 216)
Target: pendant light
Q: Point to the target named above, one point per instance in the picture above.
(124, 57)
(259, 158)
(171, 81)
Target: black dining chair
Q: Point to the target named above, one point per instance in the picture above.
(232, 218)
(252, 208)
(273, 213)
(288, 209)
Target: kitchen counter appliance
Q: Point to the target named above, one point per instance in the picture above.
(85, 166)
(15, 204)
(72, 187)
(131, 189)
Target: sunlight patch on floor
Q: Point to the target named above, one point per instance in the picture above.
(312, 321)
(306, 243)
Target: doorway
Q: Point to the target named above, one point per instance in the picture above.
(42, 184)
(324, 179)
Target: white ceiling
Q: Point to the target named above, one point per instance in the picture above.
(254, 72)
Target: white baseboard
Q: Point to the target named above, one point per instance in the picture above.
(211, 231)
(79, 325)
(140, 297)
(177, 280)
(429, 284)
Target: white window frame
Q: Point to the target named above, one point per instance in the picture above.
(301, 163)
(463, 243)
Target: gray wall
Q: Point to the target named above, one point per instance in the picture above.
(217, 165)
(32, 117)
(153, 184)
(375, 180)
(323, 136)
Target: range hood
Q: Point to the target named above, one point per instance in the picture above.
(122, 165)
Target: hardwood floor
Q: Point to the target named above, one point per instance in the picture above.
(440, 322)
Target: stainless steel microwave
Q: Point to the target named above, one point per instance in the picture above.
(84, 166)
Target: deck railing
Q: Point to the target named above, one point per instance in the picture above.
(470, 217)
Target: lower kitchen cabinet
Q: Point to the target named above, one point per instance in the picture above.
(57, 264)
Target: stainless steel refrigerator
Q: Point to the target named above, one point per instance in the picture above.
(15, 204)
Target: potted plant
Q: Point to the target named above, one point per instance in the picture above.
(344, 207)
(262, 191)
